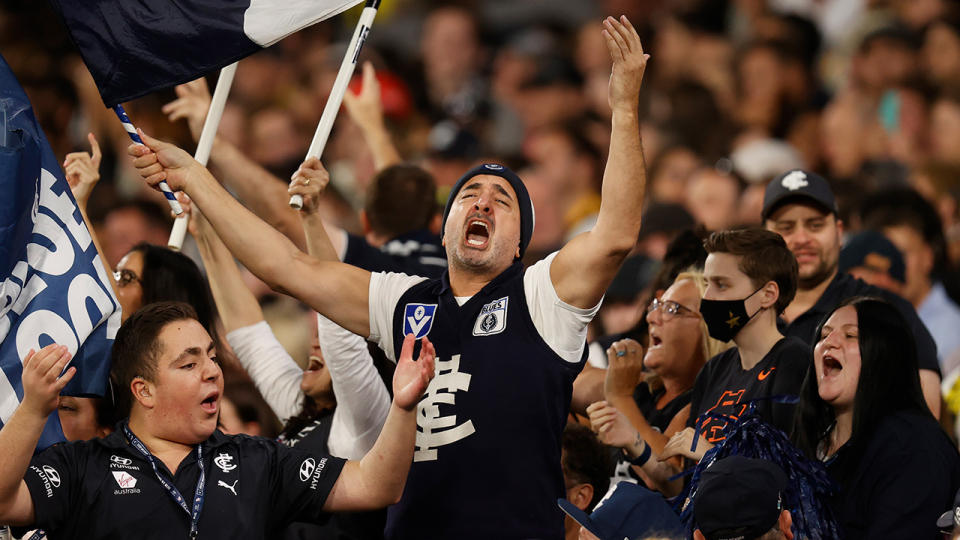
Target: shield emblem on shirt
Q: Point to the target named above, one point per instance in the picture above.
(418, 319)
(492, 318)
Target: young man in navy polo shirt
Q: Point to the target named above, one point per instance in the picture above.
(509, 341)
(166, 472)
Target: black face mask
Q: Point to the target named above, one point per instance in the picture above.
(725, 318)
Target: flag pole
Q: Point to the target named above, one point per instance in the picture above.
(340, 87)
(132, 132)
(205, 144)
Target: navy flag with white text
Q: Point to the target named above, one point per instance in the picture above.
(134, 47)
(53, 286)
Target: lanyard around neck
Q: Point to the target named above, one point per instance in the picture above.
(172, 490)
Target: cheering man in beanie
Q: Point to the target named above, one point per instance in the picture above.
(800, 207)
(509, 341)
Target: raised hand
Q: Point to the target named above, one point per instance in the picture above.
(624, 369)
(366, 108)
(410, 380)
(83, 171)
(680, 443)
(629, 63)
(156, 160)
(192, 103)
(42, 381)
(610, 425)
(309, 182)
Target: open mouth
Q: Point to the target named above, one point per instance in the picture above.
(655, 340)
(209, 404)
(478, 232)
(315, 364)
(806, 255)
(831, 366)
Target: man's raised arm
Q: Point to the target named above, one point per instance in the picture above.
(584, 267)
(259, 189)
(333, 289)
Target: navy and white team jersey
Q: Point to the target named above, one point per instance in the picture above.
(417, 253)
(487, 457)
(105, 489)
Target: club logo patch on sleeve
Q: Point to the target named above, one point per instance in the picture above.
(418, 319)
(492, 319)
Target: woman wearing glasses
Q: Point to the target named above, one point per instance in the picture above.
(652, 411)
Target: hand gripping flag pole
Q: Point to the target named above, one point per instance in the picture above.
(340, 87)
(205, 144)
(132, 132)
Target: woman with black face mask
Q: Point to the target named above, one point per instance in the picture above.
(751, 277)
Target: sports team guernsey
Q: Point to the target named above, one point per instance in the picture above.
(487, 457)
(244, 487)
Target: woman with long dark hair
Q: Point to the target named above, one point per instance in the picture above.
(863, 414)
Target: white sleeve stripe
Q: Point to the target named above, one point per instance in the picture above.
(563, 329)
(386, 288)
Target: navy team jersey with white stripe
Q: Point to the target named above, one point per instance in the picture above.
(487, 461)
(104, 489)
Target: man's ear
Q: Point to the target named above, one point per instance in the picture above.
(580, 495)
(786, 524)
(143, 392)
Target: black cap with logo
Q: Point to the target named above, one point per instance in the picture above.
(798, 185)
(738, 497)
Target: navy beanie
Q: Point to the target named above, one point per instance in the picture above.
(527, 217)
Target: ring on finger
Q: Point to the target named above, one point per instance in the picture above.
(306, 182)
(621, 353)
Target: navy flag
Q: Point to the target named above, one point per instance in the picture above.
(53, 285)
(134, 47)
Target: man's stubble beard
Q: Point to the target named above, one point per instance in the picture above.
(823, 273)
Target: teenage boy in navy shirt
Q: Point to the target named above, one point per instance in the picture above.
(751, 277)
(166, 472)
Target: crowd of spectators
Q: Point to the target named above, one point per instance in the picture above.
(745, 105)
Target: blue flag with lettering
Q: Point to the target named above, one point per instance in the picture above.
(133, 48)
(53, 285)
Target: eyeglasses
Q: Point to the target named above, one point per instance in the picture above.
(669, 309)
(125, 277)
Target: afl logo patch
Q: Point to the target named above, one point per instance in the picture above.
(492, 318)
(418, 319)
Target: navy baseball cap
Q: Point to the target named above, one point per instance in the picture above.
(798, 185)
(630, 511)
(872, 250)
(527, 215)
(738, 497)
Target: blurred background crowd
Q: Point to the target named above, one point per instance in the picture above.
(865, 92)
